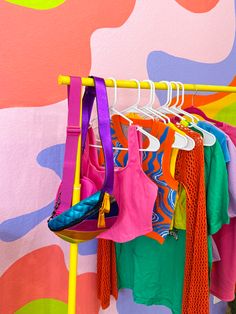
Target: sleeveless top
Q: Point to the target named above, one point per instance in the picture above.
(131, 197)
(135, 194)
(157, 166)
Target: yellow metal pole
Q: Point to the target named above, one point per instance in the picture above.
(74, 246)
(72, 278)
(86, 81)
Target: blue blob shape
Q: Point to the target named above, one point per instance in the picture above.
(52, 157)
(88, 247)
(126, 305)
(163, 66)
(15, 228)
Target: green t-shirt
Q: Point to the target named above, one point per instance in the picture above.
(216, 183)
(153, 271)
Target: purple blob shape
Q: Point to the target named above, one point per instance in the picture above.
(15, 228)
(163, 66)
(88, 247)
(126, 305)
(52, 157)
(218, 308)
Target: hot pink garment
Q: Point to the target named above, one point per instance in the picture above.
(228, 129)
(134, 192)
(223, 275)
(230, 132)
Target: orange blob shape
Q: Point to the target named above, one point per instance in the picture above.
(199, 6)
(43, 274)
(37, 46)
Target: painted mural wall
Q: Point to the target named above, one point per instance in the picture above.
(190, 41)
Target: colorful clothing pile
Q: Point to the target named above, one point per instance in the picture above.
(190, 250)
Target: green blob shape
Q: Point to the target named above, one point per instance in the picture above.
(42, 306)
(37, 4)
(227, 114)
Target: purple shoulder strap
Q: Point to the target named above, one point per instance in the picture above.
(105, 132)
(71, 146)
(73, 130)
(99, 91)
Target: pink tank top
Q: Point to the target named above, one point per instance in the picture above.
(134, 192)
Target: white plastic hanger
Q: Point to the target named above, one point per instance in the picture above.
(209, 139)
(154, 143)
(190, 143)
(112, 107)
(141, 110)
(178, 108)
(166, 106)
(181, 141)
(149, 105)
(134, 108)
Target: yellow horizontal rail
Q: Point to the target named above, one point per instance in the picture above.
(86, 81)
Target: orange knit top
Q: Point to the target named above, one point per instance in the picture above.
(189, 171)
(106, 272)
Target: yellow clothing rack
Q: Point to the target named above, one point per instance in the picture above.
(86, 81)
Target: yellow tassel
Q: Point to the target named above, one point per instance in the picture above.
(105, 208)
(101, 219)
(106, 203)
